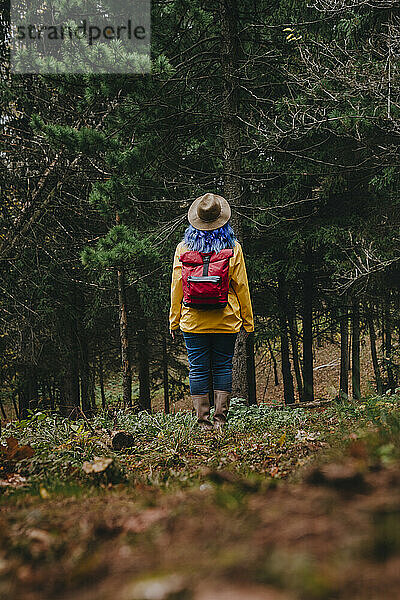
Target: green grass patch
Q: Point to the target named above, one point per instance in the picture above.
(171, 451)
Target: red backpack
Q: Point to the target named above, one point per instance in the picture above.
(205, 278)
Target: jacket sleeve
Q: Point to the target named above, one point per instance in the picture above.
(176, 292)
(241, 288)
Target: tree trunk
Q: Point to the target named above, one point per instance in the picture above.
(332, 326)
(243, 380)
(23, 395)
(101, 381)
(50, 394)
(383, 332)
(23, 404)
(388, 348)
(374, 354)
(71, 393)
(308, 374)
(3, 412)
(288, 391)
(142, 351)
(230, 110)
(295, 351)
(239, 368)
(55, 392)
(144, 366)
(84, 371)
(92, 388)
(355, 350)
(344, 353)
(275, 366)
(165, 372)
(70, 382)
(317, 332)
(251, 370)
(15, 405)
(33, 388)
(124, 335)
(349, 352)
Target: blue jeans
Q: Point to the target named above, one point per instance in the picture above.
(210, 351)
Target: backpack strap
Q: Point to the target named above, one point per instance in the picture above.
(206, 263)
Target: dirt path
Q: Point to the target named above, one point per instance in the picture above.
(335, 535)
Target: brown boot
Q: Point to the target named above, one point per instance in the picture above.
(201, 404)
(221, 401)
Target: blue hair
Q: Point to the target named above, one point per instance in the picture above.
(210, 241)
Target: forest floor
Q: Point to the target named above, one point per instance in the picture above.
(284, 504)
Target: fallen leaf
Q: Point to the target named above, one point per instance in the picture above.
(98, 465)
(43, 492)
(13, 452)
(282, 439)
(12, 443)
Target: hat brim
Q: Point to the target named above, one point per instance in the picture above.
(221, 220)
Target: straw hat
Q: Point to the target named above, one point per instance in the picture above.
(209, 212)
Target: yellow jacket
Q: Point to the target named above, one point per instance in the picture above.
(237, 312)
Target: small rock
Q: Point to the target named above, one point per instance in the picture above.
(121, 439)
(204, 487)
(170, 587)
